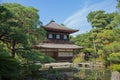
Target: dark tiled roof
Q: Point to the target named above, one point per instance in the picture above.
(54, 26)
(57, 46)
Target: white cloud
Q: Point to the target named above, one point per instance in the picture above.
(79, 21)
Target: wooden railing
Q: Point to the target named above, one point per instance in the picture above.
(58, 41)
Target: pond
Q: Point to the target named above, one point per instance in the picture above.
(74, 74)
(89, 74)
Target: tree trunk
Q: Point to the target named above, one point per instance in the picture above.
(12, 48)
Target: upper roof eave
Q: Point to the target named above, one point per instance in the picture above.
(60, 30)
(52, 26)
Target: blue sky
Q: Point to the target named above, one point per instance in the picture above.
(72, 13)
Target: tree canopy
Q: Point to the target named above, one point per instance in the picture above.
(19, 31)
(103, 40)
(100, 19)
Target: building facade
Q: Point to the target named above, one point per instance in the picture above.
(57, 43)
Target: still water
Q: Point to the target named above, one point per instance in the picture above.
(74, 74)
(87, 74)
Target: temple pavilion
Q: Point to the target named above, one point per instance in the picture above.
(57, 43)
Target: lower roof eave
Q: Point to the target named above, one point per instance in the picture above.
(57, 46)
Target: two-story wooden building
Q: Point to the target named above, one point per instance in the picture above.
(57, 43)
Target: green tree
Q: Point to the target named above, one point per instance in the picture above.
(9, 67)
(20, 31)
(82, 40)
(100, 19)
(114, 57)
(118, 5)
(103, 25)
(103, 39)
(97, 19)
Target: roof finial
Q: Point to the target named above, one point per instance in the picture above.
(52, 20)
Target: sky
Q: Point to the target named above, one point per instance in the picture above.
(71, 13)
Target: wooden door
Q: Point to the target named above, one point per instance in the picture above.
(55, 54)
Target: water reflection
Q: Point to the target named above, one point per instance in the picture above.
(89, 74)
(75, 74)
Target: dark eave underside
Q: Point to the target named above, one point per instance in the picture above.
(60, 30)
